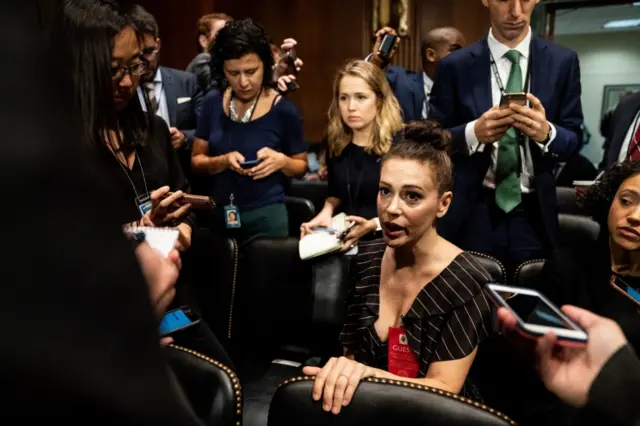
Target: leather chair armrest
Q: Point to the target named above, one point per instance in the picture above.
(212, 389)
(381, 402)
(300, 210)
(527, 273)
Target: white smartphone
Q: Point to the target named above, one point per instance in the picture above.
(535, 314)
(583, 182)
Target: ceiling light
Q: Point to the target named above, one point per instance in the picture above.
(622, 23)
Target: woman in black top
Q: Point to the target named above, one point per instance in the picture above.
(363, 118)
(582, 278)
(101, 45)
(414, 290)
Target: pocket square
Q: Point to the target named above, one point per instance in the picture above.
(183, 100)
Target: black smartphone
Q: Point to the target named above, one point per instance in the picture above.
(386, 46)
(249, 164)
(176, 320)
(513, 98)
(629, 287)
(198, 202)
(292, 86)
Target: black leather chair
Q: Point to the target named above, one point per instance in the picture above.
(212, 389)
(300, 210)
(568, 201)
(215, 276)
(315, 191)
(381, 402)
(528, 273)
(493, 266)
(576, 231)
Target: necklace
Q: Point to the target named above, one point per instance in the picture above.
(246, 117)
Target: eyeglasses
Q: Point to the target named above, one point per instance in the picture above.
(150, 52)
(117, 73)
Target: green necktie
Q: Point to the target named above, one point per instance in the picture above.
(508, 192)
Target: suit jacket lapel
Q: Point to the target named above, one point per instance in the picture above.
(540, 64)
(418, 95)
(170, 94)
(480, 80)
(621, 129)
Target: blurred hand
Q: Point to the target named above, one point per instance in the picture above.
(160, 274)
(493, 124)
(532, 121)
(233, 160)
(569, 372)
(362, 227)
(375, 57)
(165, 210)
(322, 220)
(337, 382)
(323, 172)
(184, 238)
(282, 82)
(270, 162)
(178, 138)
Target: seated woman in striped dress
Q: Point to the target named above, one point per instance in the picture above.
(416, 311)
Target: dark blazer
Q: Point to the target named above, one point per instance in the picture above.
(408, 88)
(622, 119)
(182, 85)
(462, 93)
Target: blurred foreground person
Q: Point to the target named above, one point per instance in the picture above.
(80, 340)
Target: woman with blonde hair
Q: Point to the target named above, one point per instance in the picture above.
(364, 116)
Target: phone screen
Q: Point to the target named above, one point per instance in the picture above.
(174, 320)
(628, 286)
(534, 310)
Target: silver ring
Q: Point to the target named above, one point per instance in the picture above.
(345, 376)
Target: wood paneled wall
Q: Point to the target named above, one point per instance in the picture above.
(328, 32)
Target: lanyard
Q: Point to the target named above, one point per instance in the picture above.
(494, 67)
(126, 173)
(232, 108)
(634, 144)
(353, 197)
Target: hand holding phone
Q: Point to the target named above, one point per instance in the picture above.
(535, 315)
(290, 57)
(176, 320)
(513, 98)
(197, 202)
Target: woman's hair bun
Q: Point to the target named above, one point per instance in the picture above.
(428, 132)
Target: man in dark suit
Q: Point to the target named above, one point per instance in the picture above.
(175, 95)
(504, 200)
(623, 132)
(412, 88)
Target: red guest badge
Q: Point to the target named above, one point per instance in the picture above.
(401, 360)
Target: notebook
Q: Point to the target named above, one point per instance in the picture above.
(324, 241)
(162, 239)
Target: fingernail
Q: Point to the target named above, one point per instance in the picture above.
(326, 407)
(336, 410)
(316, 397)
(345, 403)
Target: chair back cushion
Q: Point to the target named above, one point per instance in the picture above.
(528, 274)
(315, 191)
(492, 266)
(568, 201)
(300, 210)
(212, 389)
(576, 231)
(381, 402)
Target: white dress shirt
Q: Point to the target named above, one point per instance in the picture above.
(498, 50)
(428, 85)
(624, 149)
(161, 96)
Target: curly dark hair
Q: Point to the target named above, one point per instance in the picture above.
(235, 40)
(428, 142)
(598, 199)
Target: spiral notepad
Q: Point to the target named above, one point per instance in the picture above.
(162, 239)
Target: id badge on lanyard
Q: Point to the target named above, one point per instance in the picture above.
(402, 362)
(144, 203)
(231, 214)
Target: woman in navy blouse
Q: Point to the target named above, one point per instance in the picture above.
(248, 139)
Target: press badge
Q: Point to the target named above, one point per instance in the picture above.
(402, 362)
(231, 214)
(144, 204)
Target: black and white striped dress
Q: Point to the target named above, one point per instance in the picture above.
(446, 321)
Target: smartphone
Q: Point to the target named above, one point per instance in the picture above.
(177, 320)
(249, 164)
(535, 314)
(292, 86)
(513, 98)
(343, 234)
(628, 287)
(386, 46)
(199, 202)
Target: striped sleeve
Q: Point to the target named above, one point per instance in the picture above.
(467, 326)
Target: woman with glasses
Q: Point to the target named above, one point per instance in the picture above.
(249, 139)
(134, 148)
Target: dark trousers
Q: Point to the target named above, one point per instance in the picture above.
(512, 238)
(201, 339)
